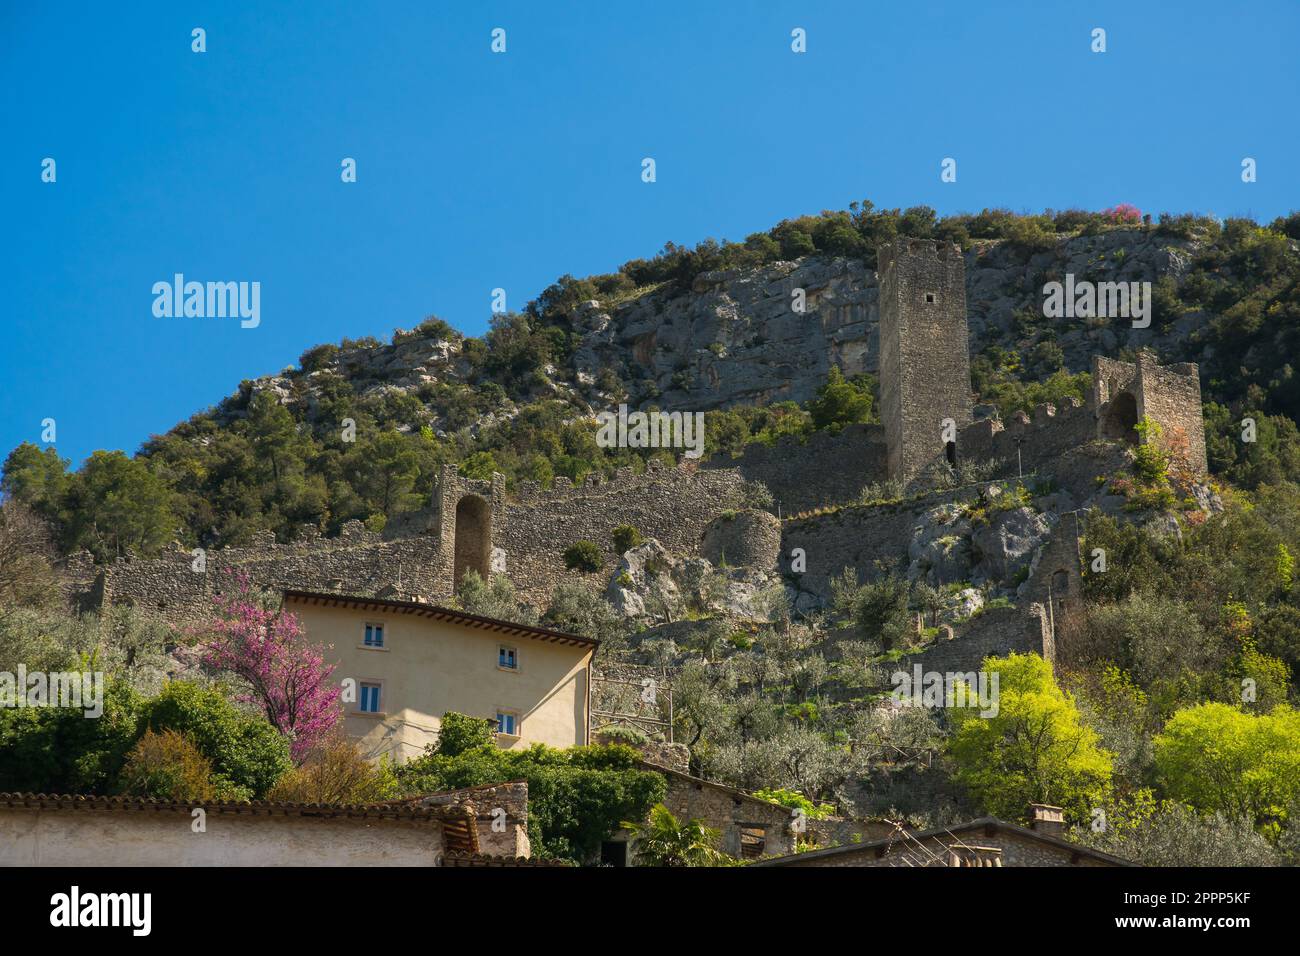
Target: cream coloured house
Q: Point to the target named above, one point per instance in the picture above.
(409, 662)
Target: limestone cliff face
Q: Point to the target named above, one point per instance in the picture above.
(734, 337)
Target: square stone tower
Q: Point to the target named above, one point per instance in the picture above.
(924, 352)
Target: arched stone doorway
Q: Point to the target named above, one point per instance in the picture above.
(1060, 587)
(1121, 419)
(473, 547)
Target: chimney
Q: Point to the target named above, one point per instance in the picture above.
(1047, 820)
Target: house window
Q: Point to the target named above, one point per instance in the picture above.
(753, 842)
(613, 853)
(369, 699)
(374, 635)
(507, 658)
(507, 723)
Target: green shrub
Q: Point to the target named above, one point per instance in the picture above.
(582, 556)
(840, 402)
(797, 801)
(459, 733)
(626, 537)
(577, 797)
(318, 357)
(1150, 460)
(60, 750)
(247, 754)
(167, 766)
(336, 771)
(621, 734)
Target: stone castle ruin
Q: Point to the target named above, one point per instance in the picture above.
(924, 354)
(929, 425)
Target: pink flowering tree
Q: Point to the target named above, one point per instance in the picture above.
(287, 675)
(1124, 214)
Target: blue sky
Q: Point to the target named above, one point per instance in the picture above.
(478, 170)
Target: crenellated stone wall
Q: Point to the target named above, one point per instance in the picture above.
(1029, 443)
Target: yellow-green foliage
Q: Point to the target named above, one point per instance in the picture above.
(1151, 460)
(1217, 758)
(1285, 565)
(797, 801)
(1036, 749)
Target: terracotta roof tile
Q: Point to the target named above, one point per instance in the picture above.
(434, 612)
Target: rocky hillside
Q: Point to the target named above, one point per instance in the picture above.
(711, 328)
(732, 338)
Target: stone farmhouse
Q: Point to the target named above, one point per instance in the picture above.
(987, 841)
(748, 826)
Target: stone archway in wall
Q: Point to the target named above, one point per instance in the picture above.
(473, 548)
(1121, 418)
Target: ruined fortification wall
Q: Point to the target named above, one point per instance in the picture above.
(1055, 580)
(855, 538)
(672, 505)
(1125, 392)
(863, 536)
(1171, 395)
(1041, 439)
(825, 469)
(749, 538)
(1109, 378)
(525, 536)
(998, 631)
(358, 561)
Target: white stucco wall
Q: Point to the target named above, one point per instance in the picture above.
(31, 837)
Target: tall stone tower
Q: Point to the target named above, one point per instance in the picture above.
(924, 352)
